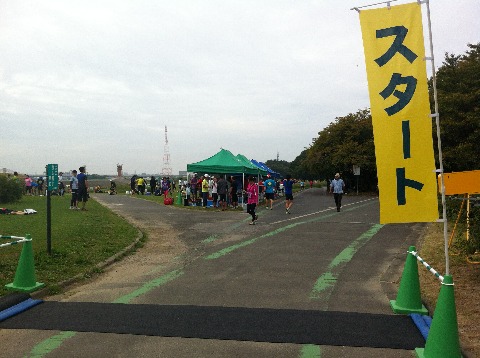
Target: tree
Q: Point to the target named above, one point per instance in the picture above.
(299, 168)
(346, 142)
(458, 93)
(279, 166)
(10, 190)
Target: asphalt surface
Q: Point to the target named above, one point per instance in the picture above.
(314, 259)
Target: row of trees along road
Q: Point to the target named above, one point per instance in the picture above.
(348, 140)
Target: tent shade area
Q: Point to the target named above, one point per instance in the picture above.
(224, 162)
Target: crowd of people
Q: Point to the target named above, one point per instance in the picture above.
(224, 193)
(219, 191)
(34, 186)
(31, 186)
(153, 186)
(206, 190)
(78, 186)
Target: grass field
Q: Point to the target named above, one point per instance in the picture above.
(79, 240)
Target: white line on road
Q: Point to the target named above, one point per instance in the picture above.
(319, 212)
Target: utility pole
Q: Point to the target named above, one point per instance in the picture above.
(166, 169)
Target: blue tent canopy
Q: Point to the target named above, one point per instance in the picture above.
(265, 167)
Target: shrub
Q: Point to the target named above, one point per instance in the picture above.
(10, 190)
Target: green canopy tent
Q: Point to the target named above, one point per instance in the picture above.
(254, 169)
(224, 162)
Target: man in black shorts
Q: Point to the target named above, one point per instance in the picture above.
(269, 191)
(82, 195)
(222, 186)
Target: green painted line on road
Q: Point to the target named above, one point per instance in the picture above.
(326, 281)
(229, 249)
(209, 239)
(150, 286)
(50, 344)
(310, 351)
(232, 248)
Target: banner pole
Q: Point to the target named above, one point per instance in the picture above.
(439, 142)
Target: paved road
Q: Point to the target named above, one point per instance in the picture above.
(312, 259)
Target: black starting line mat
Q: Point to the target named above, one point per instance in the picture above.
(224, 323)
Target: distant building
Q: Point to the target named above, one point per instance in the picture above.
(119, 170)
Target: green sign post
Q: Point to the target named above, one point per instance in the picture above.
(52, 184)
(52, 177)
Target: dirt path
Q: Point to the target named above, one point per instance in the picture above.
(157, 254)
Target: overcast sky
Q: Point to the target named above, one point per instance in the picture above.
(96, 82)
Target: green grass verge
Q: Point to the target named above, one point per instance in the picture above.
(80, 239)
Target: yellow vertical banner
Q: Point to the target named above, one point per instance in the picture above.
(402, 126)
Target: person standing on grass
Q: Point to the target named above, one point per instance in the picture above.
(34, 187)
(269, 191)
(288, 187)
(153, 184)
(141, 185)
(222, 187)
(252, 195)
(233, 192)
(74, 189)
(82, 194)
(193, 187)
(40, 183)
(28, 185)
(133, 183)
(213, 187)
(337, 186)
(165, 187)
(205, 188)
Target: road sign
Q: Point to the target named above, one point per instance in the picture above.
(52, 177)
(356, 170)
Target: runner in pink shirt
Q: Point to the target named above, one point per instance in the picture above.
(252, 194)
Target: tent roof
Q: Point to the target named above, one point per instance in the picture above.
(255, 169)
(223, 162)
(265, 167)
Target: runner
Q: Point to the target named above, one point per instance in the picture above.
(269, 191)
(288, 187)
